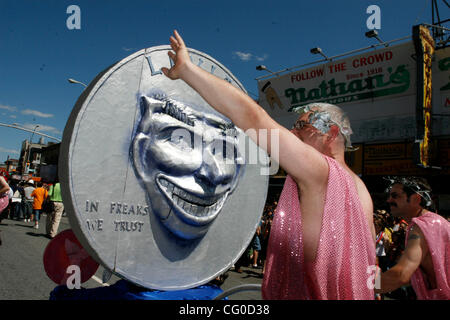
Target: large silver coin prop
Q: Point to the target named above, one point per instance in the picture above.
(159, 187)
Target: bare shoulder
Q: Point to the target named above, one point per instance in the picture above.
(415, 233)
(365, 198)
(364, 195)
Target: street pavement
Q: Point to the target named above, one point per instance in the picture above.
(248, 276)
(22, 274)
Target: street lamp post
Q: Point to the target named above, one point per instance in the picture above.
(16, 126)
(318, 50)
(29, 151)
(32, 135)
(263, 67)
(76, 81)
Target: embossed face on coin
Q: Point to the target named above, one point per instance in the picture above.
(155, 182)
(188, 162)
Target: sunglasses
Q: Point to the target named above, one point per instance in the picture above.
(301, 123)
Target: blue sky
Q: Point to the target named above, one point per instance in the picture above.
(38, 53)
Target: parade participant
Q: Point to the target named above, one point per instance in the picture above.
(322, 239)
(424, 261)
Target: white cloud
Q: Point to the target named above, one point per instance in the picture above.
(42, 128)
(243, 55)
(264, 57)
(9, 150)
(37, 113)
(51, 130)
(247, 56)
(32, 112)
(9, 108)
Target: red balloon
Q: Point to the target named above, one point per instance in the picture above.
(64, 251)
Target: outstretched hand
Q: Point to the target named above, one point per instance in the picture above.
(180, 57)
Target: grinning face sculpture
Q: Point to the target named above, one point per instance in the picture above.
(188, 162)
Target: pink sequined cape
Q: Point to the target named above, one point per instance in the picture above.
(345, 256)
(437, 235)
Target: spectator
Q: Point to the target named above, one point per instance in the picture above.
(265, 234)
(17, 203)
(242, 261)
(256, 247)
(380, 246)
(27, 200)
(403, 225)
(39, 194)
(54, 217)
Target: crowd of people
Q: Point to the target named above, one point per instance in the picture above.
(390, 244)
(27, 200)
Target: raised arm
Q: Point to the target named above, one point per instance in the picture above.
(304, 163)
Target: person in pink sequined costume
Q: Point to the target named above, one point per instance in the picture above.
(322, 242)
(426, 259)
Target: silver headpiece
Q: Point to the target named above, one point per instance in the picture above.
(325, 115)
(415, 184)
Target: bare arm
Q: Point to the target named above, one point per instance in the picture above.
(304, 163)
(412, 257)
(4, 187)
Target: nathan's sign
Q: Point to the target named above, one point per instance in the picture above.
(376, 74)
(355, 90)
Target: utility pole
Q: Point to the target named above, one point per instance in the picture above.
(438, 33)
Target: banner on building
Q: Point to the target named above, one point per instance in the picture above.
(441, 92)
(370, 87)
(375, 74)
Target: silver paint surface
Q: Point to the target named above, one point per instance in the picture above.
(187, 217)
(180, 156)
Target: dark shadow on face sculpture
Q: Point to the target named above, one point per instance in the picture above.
(188, 162)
